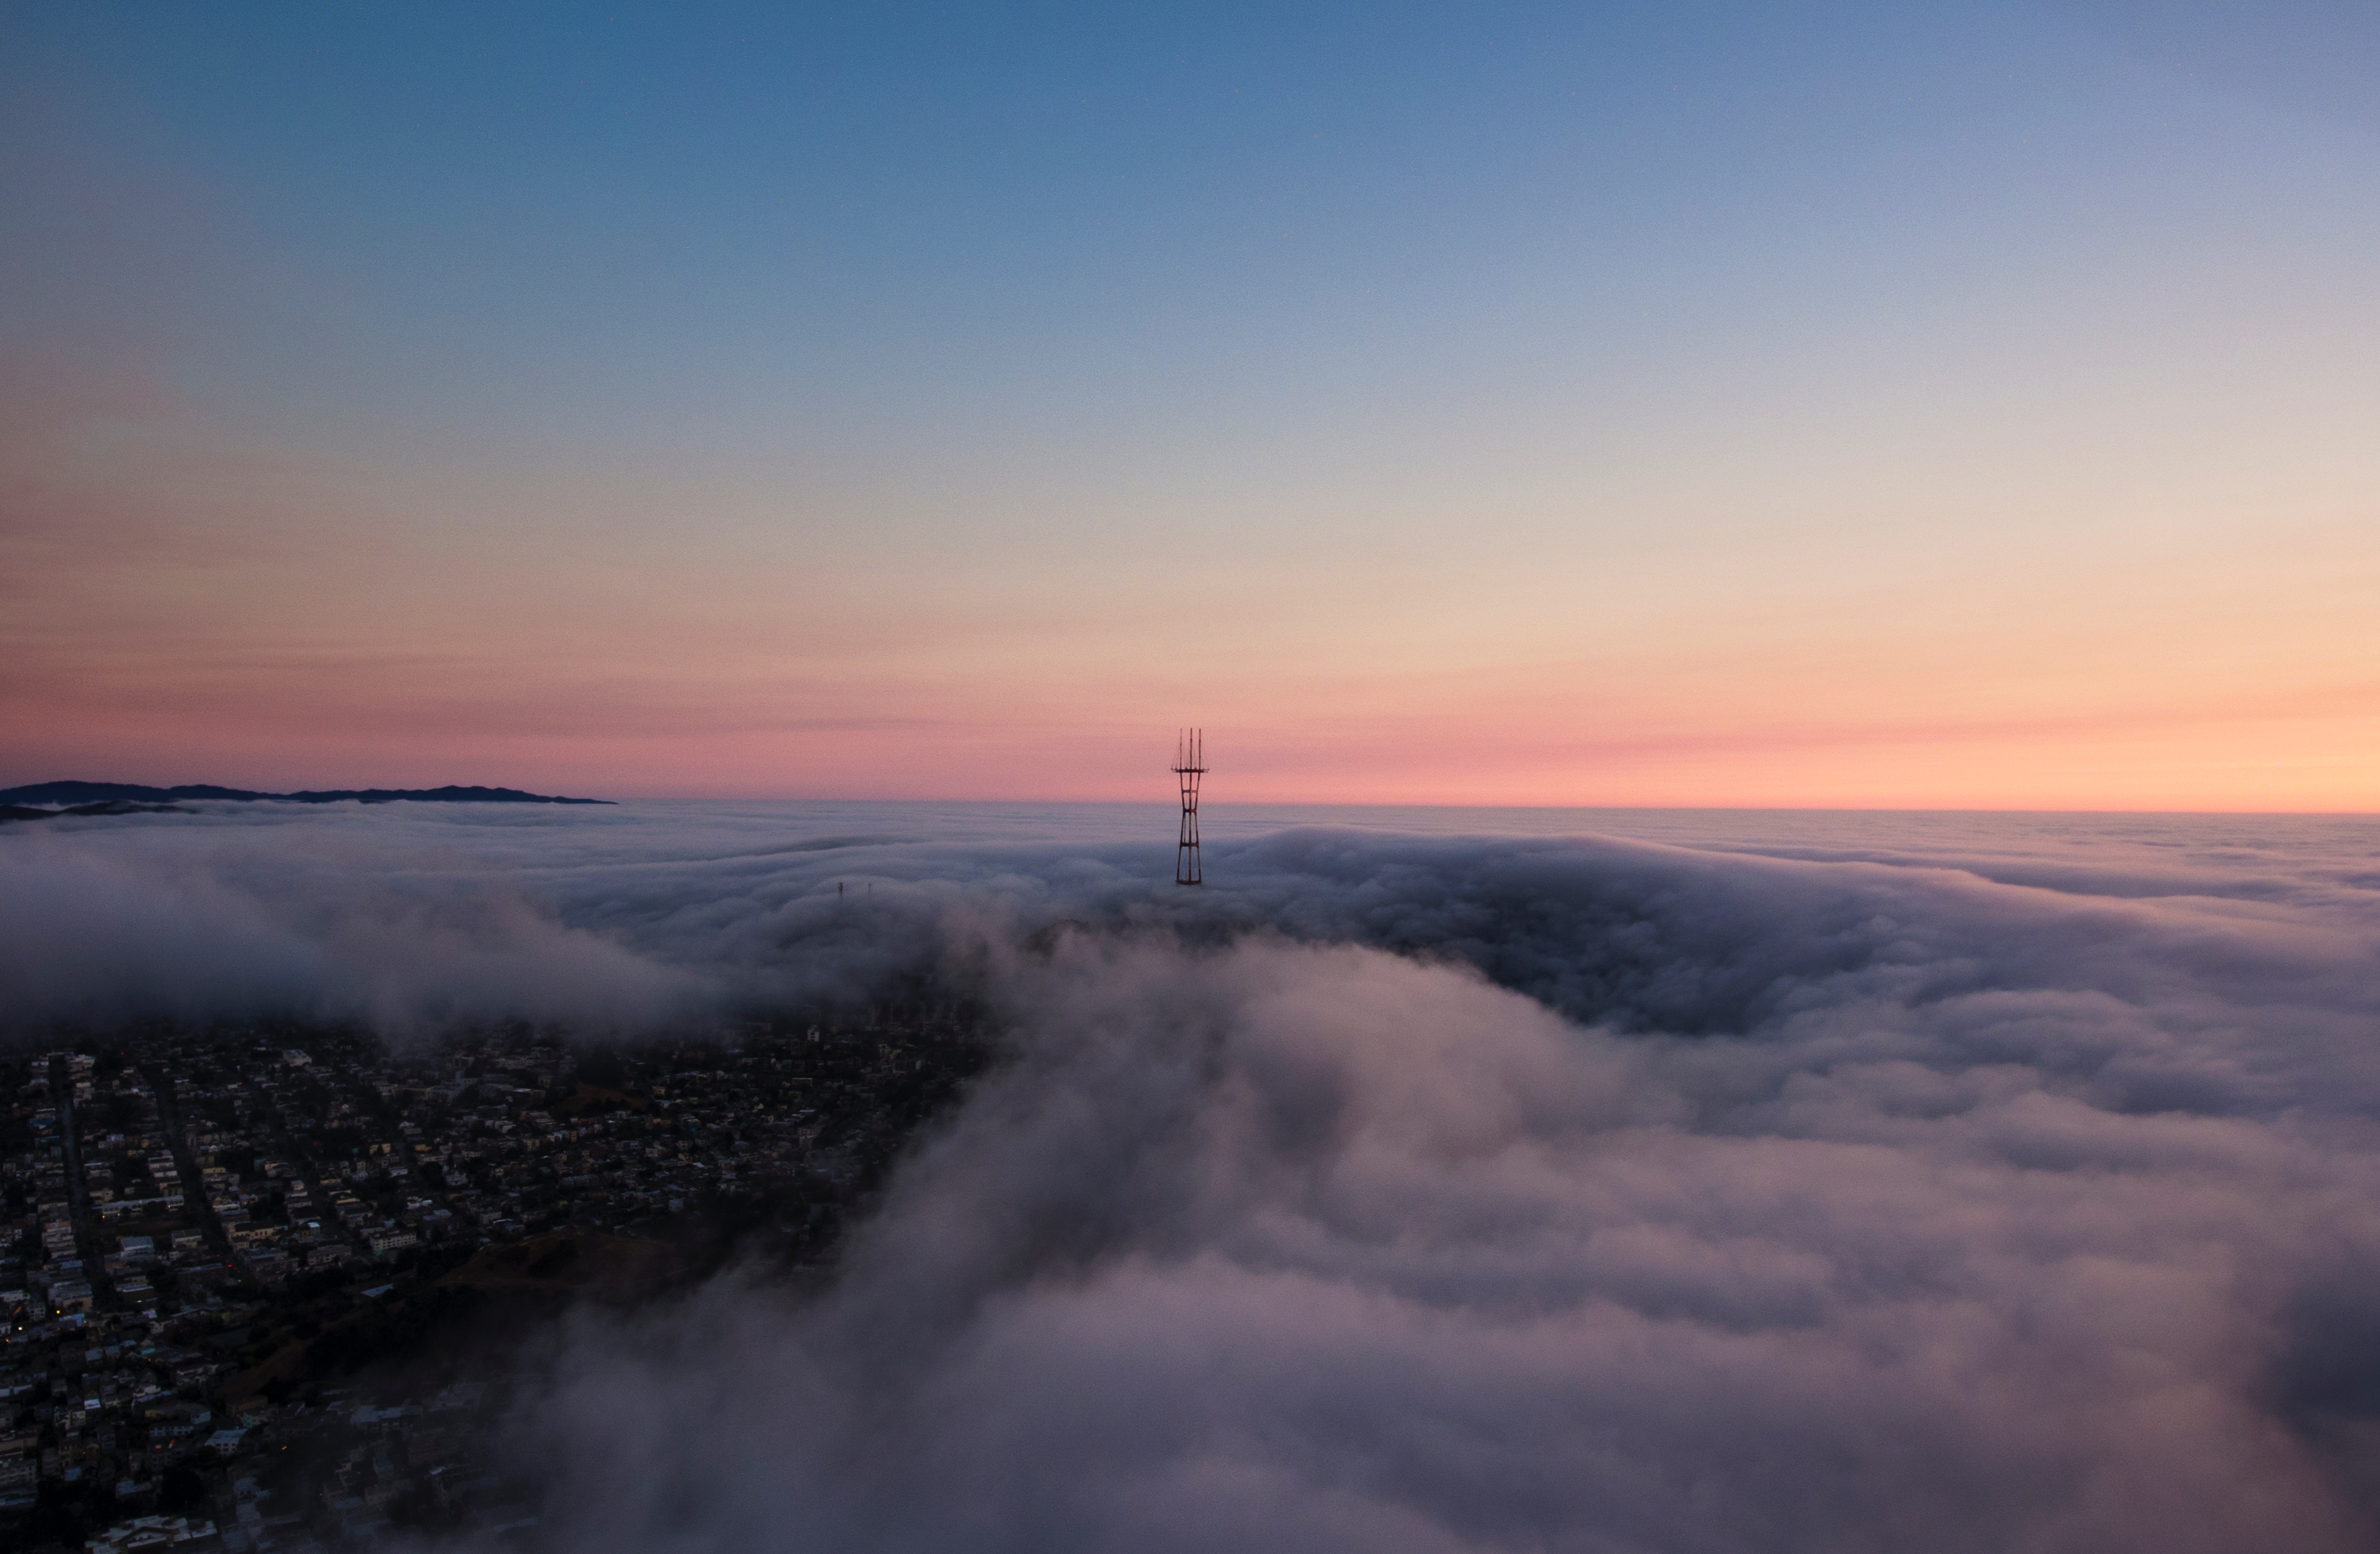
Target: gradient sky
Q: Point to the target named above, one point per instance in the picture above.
(1837, 404)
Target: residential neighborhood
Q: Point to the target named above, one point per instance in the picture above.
(267, 1288)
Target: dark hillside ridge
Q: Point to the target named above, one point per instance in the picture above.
(133, 793)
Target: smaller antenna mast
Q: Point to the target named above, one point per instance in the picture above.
(1189, 765)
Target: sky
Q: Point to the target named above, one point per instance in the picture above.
(1808, 404)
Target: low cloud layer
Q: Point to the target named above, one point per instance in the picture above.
(1428, 1192)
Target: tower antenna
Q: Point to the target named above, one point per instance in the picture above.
(1189, 765)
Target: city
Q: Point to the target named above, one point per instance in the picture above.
(264, 1287)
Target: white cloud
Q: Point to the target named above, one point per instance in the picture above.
(1404, 1193)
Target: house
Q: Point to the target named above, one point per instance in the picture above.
(179, 1533)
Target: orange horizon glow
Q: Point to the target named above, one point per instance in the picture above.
(275, 622)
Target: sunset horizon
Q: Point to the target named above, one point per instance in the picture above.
(1966, 410)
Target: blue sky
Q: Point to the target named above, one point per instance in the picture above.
(1340, 314)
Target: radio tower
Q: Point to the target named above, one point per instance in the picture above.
(1189, 765)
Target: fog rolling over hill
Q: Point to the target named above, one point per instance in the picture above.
(1842, 1184)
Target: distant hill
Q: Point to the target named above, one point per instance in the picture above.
(135, 793)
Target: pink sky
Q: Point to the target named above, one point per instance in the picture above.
(186, 605)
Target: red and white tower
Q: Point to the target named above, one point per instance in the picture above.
(1189, 765)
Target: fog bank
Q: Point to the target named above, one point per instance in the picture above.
(1405, 1192)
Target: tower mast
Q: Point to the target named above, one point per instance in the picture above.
(1189, 765)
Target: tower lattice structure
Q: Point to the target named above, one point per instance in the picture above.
(1189, 765)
